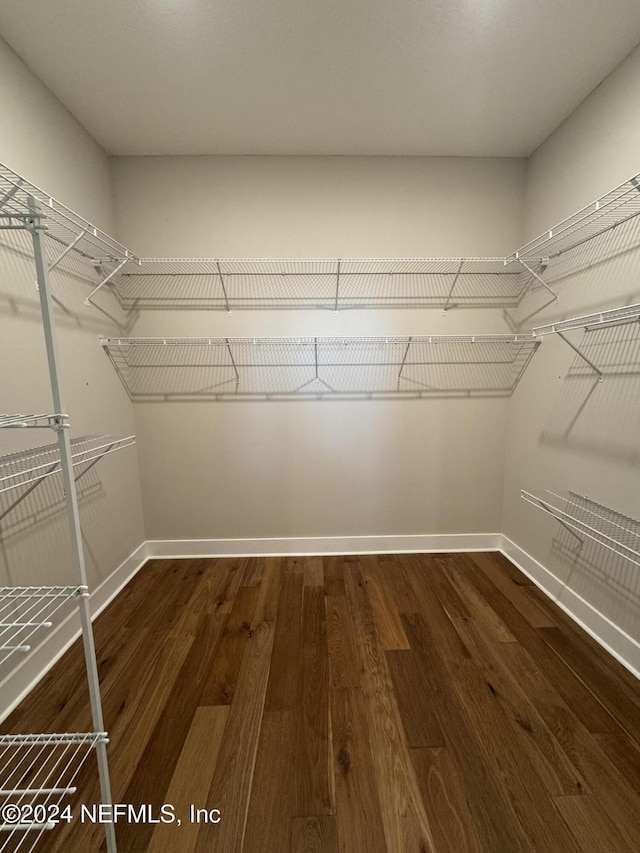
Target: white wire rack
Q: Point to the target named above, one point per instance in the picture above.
(612, 317)
(61, 224)
(327, 283)
(31, 466)
(37, 780)
(607, 212)
(43, 421)
(590, 323)
(294, 368)
(25, 611)
(586, 517)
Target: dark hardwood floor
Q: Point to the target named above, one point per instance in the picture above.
(357, 704)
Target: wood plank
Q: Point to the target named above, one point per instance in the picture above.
(191, 780)
(624, 754)
(617, 699)
(313, 572)
(414, 696)
(154, 771)
(358, 806)
(447, 809)
(493, 813)
(403, 815)
(233, 776)
(273, 797)
(282, 691)
(385, 613)
(483, 614)
(403, 593)
(529, 730)
(514, 585)
(317, 834)
(591, 826)
(314, 784)
(333, 573)
(253, 571)
(221, 680)
(269, 591)
(602, 777)
(577, 695)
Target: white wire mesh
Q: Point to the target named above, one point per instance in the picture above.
(33, 421)
(614, 316)
(609, 211)
(29, 466)
(329, 283)
(612, 529)
(235, 368)
(27, 611)
(37, 776)
(62, 224)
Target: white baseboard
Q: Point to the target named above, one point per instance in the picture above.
(624, 648)
(25, 677)
(314, 545)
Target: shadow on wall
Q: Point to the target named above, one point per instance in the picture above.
(72, 280)
(597, 574)
(34, 531)
(601, 418)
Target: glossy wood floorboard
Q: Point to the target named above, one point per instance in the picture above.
(392, 704)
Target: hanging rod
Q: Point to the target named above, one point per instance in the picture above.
(609, 528)
(17, 195)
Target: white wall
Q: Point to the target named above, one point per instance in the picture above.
(42, 141)
(572, 432)
(274, 469)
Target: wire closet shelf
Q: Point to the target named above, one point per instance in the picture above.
(43, 421)
(609, 528)
(37, 778)
(33, 465)
(17, 199)
(329, 367)
(26, 610)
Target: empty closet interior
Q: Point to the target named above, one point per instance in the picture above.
(319, 427)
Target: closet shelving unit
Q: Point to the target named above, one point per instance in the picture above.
(332, 284)
(313, 367)
(585, 517)
(38, 770)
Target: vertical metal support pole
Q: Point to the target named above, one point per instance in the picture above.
(404, 359)
(315, 352)
(335, 307)
(455, 279)
(224, 289)
(66, 467)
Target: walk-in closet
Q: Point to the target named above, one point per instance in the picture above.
(319, 427)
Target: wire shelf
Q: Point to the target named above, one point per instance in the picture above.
(32, 466)
(295, 368)
(612, 317)
(62, 224)
(612, 209)
(609, 528)
(26, 610)
(325, 283)
(37, 776)
(34, 421)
